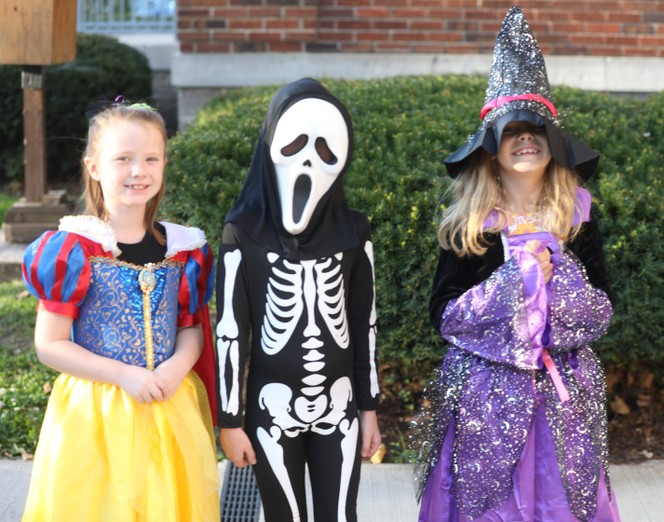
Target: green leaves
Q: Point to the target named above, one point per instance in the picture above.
(404, 128)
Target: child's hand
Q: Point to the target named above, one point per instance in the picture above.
(370, 433)
(169, 377)
(237, 446)
(543, 257)
(140, 383)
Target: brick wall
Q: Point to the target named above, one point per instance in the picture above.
(562, 27)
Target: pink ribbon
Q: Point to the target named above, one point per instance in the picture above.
(555, 376)
(502, 100)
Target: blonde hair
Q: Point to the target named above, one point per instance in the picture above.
(476, 191)
(92, 193)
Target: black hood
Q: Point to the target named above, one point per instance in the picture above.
(257, 212)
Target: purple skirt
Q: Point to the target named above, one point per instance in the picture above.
(537, 494)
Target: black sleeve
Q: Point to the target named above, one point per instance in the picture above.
(588, 247)
(455, 275)
(232, 336)
(362, 321)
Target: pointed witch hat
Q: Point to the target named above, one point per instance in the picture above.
(519, 90)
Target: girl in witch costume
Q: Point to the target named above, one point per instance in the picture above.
(517, 430)
(122, 314)
(295, 291)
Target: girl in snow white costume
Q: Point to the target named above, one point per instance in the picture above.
(517, 429)
(122, 313)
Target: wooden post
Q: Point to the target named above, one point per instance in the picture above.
(35, 33)
(34, 125)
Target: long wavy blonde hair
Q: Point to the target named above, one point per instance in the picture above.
(476, 191)
(92, 193)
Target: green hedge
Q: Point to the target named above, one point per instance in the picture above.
(404, 128)
(103, 67)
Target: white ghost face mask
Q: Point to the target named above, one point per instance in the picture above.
(309, 150)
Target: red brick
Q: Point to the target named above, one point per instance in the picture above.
(359, 25)
(205, 3)
(430, 25)
(623, 17)
(564, 27)
(657, 18)
(651, 40)
(354, 3)
(632, 41)
(335, 36)
(228, 12)
(372, 12)
(225, 36)
(282, 24)
(311, 25)
(425, 3)
(430, 48)
(605, 51)
(461, 25)
(213, 47)
(285, 47)
(382, 47)
(192, 13)
(214, 24)
(193, 37)
(299, 36)
(648, 52)
(400, 36)
(335, 12)
(250, 47)
(444, 36)
(587, 39)
(386, 25)
(445, 14)
(602, 28)
(410, 13)
(244, 23)
(301, 12)
(363, 47)
(264, 12)
(372, 36)
(261, 36)
(637, 29)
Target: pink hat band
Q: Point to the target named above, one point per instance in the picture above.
(502, 100)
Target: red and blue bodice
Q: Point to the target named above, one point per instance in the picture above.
(121, 310)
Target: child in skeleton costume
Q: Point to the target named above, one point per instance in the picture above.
(295, 289)
(517, 428)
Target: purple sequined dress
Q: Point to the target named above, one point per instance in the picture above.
(517, 424)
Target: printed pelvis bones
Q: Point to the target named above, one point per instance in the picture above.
(293, 290)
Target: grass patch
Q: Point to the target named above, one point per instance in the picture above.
(6, 203)
(24, 381)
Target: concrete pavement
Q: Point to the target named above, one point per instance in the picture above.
(386, 491)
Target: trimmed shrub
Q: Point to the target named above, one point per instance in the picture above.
(404, 128)
(104, 68)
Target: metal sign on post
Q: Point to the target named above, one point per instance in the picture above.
(35, 33)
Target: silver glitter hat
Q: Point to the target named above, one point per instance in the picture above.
(519, 90)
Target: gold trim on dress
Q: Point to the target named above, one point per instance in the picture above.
(147, 282)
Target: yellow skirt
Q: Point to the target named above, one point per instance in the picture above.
(102, 456)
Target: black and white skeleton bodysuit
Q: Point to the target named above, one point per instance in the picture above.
(295, 294)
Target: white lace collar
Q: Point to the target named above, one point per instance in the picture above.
(178, 238)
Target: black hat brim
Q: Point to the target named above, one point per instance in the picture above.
(567, 150)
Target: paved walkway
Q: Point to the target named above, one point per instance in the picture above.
(386, 492)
